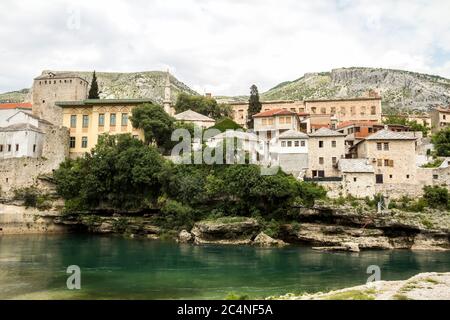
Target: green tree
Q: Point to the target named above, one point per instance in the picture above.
(120, 173)
(155, 122)
(204, 105)
(441, 141)
(254, 105)
(436, 197)
(226, 124)
(401, 120)
(93, 91)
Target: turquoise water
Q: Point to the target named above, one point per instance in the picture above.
(34, 267)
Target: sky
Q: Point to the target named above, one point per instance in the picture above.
(219, 46)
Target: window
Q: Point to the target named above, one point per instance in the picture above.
(379, 146)
(72, 142)
(334, 160)
(9, 148)
(84, 142)
(354, 179)
(320, 144)
(271, 121)
(34, 148)
(370, 130)
(333, 144)
(264, 122)
(379, 162)
(390, 176)
(297, 143)
(1, 148)
(282, 120)
(313, 109)
(101, 119)
(85, 121)
(283, 144)
(357, 129)
(407, 176)
(289, 144)
(444, 117)
(321, 160)
(73, 121)
(373, 110)
(124, 119)
(112, 119)
(352, 110)
(386, 146)
(321, 174)
(379, 178)
(435, 176)
(314, 173)
(303, 143)
(386, 163)
(363, 111)
(333, 110)
(323, 110)
(288, 120)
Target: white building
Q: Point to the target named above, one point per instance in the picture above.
(244, 141)
(290, 151)
(22, 136)
(7, 110)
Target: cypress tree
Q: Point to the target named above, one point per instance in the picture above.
(93, 92)
(254, 106)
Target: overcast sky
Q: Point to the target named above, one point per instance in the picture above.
(221, 46)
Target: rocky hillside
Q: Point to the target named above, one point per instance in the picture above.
(121, 85)
(399, 89)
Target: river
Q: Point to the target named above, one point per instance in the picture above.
(113, 267)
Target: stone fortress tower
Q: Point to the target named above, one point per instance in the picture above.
(51, 87)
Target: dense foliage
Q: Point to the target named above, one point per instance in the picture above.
(401, 120)
(205, 105)
(157, 125)
(122, 173)
(93, 91)
(254, 105)
(226, 124)
(441, 141)
(436, 197)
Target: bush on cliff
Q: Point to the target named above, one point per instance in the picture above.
(436, 197)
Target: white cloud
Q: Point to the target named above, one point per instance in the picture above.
(221, 46)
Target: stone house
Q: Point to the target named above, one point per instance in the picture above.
(358, 179)
(393, 156)
(195, 118)
(326, 148)
(440, 119)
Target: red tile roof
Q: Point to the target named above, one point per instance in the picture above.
(319, 125)
(25, 105)
(275, 112)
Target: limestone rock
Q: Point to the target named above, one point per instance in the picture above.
(264, 240)
(226, 231)
(185, 237)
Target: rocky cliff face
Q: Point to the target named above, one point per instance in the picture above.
(135, 85)
(399, 89)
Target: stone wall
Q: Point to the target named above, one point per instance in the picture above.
(24, 172)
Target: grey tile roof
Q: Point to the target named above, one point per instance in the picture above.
(355, 166)
(292, 134)
(190, 115)
(325, 132)
(389, 135)
(20, 127)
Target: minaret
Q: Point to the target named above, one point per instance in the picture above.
(167, 103)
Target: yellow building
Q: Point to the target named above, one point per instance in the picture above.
(87, 119)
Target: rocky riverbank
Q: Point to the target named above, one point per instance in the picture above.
(325, 227)
(424, 286)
